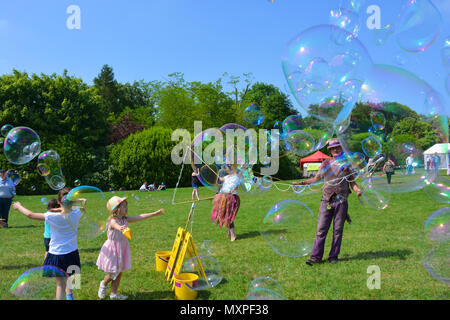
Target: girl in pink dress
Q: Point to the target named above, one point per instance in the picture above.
(114, 257)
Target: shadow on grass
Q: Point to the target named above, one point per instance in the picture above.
(246, 235)
(21, 227)
(398, 254)
(91, 250)
(12, 267)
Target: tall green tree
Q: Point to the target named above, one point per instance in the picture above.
(108, 89)
(53, 105)
(274, 104)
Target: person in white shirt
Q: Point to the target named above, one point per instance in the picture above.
(63, 252)
(143, 188)
(7, 193)
(227, 202)
(409, 163)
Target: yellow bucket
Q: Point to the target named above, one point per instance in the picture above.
(162, 258)
(185, 283)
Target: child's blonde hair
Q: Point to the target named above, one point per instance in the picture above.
(115, 212)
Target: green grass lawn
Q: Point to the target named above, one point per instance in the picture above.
(387, 238)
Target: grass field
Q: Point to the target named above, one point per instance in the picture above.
(386, 238)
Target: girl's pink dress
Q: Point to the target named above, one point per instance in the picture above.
(115, 253)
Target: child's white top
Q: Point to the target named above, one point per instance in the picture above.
(64, 231)
(230, 184)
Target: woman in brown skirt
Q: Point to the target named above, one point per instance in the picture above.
(227, 201)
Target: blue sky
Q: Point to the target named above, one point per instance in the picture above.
(149, 39)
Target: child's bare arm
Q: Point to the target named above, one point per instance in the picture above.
(114, 225)
(32, 215)
(145, 216)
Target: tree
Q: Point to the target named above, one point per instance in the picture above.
(123, 128)
(108, 89)
(53, 106)
(145, 156)
(274, 104)
(180, 103)
(423, 133)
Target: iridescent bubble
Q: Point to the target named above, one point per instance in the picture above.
(317, 75)
(77, 183)
(288, 228)
(206, 248)
(435, 245)
(211, 275)
(347, 20)
(5, 129)
(50, 169)
(44, 201)
(377, 130)
(408, 147)
(264, 294)
(36, 284)
(14, 176)
(376, 192)
(203, 156)
(382, 35)
(265, 288)
(91, 201)
(377, 117)
(371, 146)
(438, 189)
(299, 142)
(447, 84)
(43, 169)
(353, 5)
(419, 25)
(316, 69)
(385, 92)
(266, 283)
(400, 59)
(445, 53)
(21, 145)
(254, 115)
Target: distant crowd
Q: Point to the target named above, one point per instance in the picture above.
(152, 187)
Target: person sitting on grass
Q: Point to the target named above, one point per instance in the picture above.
(162, 186)
(334, 205)
(143, 188)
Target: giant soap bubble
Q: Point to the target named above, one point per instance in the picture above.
(49, 167)
(208, 270)
(204, 158)
(419, 25)
(36, 284)
(385, 93)
(435, 245)
(324, 74)
(289, 228)
(21, 145)
(265, 288)
(91, 201)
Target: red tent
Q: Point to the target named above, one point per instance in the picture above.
(315, 157)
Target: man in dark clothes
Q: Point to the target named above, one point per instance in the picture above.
(334, 205)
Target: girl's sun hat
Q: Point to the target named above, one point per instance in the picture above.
(114, 202)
